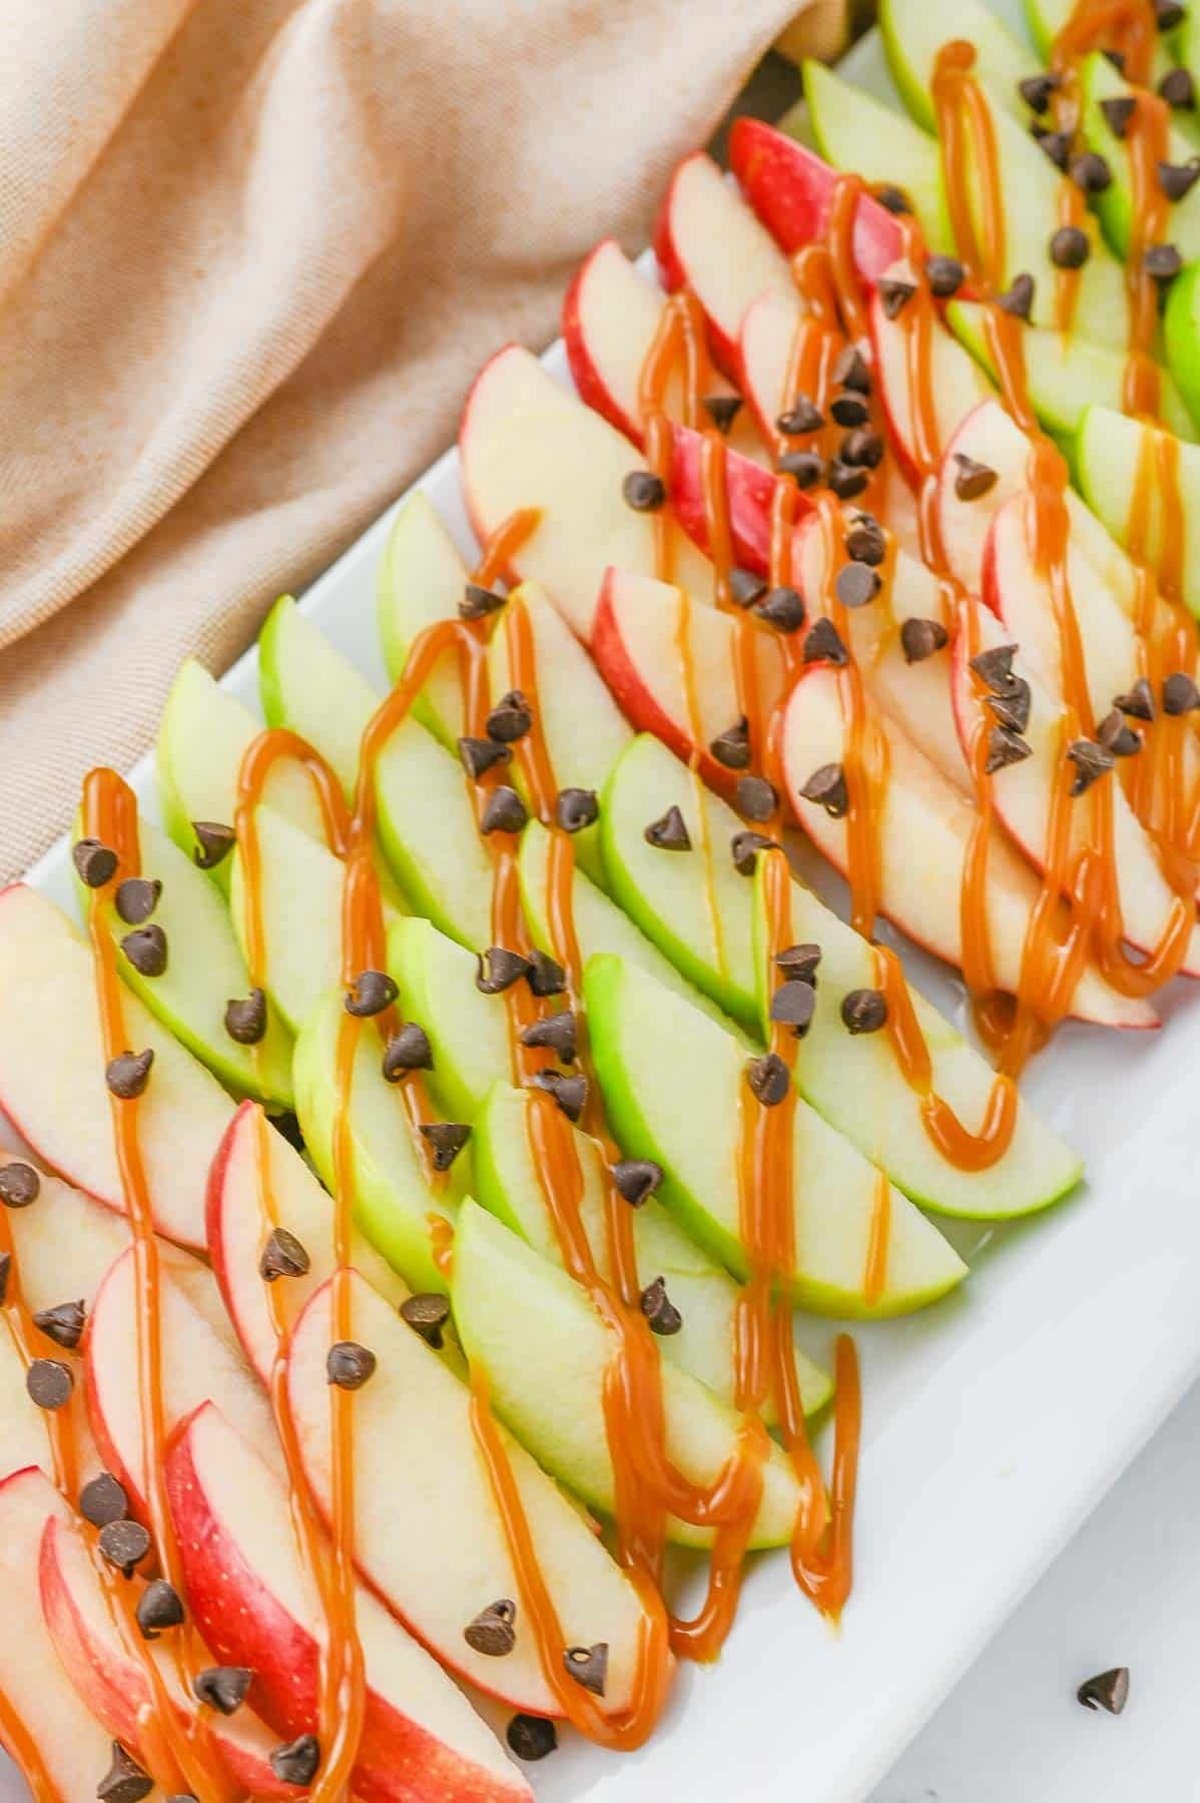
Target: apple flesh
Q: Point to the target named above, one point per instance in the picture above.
(467, 1030)
(428, 833)
(912, 39)
(957, 385)
(310, 688)
(422, 578)
(1099, 83)
(792, 191)
(1108, 455)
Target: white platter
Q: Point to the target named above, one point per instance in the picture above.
(993, 1424)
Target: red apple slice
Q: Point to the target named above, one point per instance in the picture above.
(773, 328)
(925, 826)
(749, 488)
(956, 382)
(422, 1742)
(792, 191)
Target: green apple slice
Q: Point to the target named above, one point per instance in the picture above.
(1107, 456)
(421, 582)
(428, 833)
(468, 1030)
(308, 686)
(913, 35)
(1100, 82)
(673, 1085)
(546, 1351)
(1181, 338)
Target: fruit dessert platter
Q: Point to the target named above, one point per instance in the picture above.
(443, 1139)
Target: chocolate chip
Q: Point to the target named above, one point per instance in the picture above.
(1091, 173)
(1168, 14)
(246, 1018)
(745, 588)
(669, 832)
(894, 295)
(769, 1079)
(136, 899)
(372, 992)
(407, 1050)
(755, 798)
(850, 410)
(348, 1365)
(864, 1011)
(128, 1074)
(827, 787)
(801, 418)
(731, 748)
(722, 409)
(544, 976)
(5, 1275)
(945, 276)
(994, 668)
(146, 950)
(1139, 702)
(588, 1665)
(19, 1184)
(782, 608)
(644, 491)
(1162, 263)
(125, 1780)
(283, 1256)
(297, 1760)
(1118, 111)
(570, 1093)
(799, 962)
(866, 541)
(95, 863)
(806, 468)
(447, 1139)
(1005, 747)
(499, 969)
(745, 848)
(894, 199)
(531, 1737)
(64, 1323)
(556, 1033)
(1178, 179)
(857, 583)
(1091, 761)
(1179, 694)
(478, 602)
(214, 842)
(845, 481)
(1117, 736)
(636, 1179)
(792, 1005)
(49, 1384)
(158, 1608)
(919, 639)
(823, 644)
(973, 479)
(427, 1314)
(504, 812)
(223, 1687)
(576, 808)
(124, 1544)
(1036, 90)
(103, 1500)
(478, 755)
(1178, 89)
(1107, 1690)
(510, 719)
(1018, 300)
(852, 370)
(861, 449)
(1116, 58)
(659, 1310)
(493, 1631)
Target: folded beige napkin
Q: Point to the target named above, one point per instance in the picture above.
(251, 252)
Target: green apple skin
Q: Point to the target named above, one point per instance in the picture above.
(468, 1031)
(421, 582)
(506, 1184)
(1099, 81)
(1181, 337)
(1107, 453)
(391, 1200)
(429, 837)
(546, 1353)
(672, 1085)
(308, 686)
(913, 35)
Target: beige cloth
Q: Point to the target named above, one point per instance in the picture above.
(251, 252)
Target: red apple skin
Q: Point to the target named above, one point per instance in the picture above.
(673, 275)
(792, 190)
(750, 487)
(586, 376)
(214, 1201)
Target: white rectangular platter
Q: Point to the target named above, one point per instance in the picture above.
(993, 1424)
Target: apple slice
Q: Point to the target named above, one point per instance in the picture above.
(912, 41)
(422, 576)
(467, 1030)
(673, 1084)
(1108, 456)
(1100, 85)
(526, 441)
(52, 1073)
(1180, 337)
(925, 827)
(748, 489)
(957, 384)
(252, 1601)
(792, 189)
(428, 833)
(308, 686)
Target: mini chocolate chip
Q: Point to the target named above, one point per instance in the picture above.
(372, 992)
(745, 588)
(894, 295)
(852, 370)
(782, 608)
(493, 1631)
(576, 808)
(19, 1184)
(545, 976)
(894, 199)
(64, 1323)
(246, 1018)
(283, 1256)
(722, 409)
(643, 491)
(861, 449)
(136, 899)
(1162, 263)
(755, 798)
(731, 748)
(827, 787)
(806, 468)
(919, 639)
(427, 1314)
(1168, 14)
(823, 644)
(1116, 58)
(407, 1050)
(531, 1737)
(857, 583)
(349, 1366)
(125, 1780)
(994, 668)
(499, 969)
(799, 962)
(510, 719)
(1056, 145)
(866, 541)
(556, 1033)
(570, 1093)
(1138, 702)
(801, 418)
(636, 1179)
(973, 479)
(124, 1544)
(214, 842)
(159, 1607)
(297, 1760)
(1117, 736)
(588, 1665)
(1178, 89)
(478, 755)
(146, 950)
(1178, 179)
(1179, 694)
(1118, 110)
(103, 1500)
(1012, 708)
(1005, 747)
(1091, 761)
(792, 1005)
(850, 410)
(864, 1011)
(669, 832)
(745, 848)
(945, 275)
(769, 1079)
(447, 1139)
(1036, 90)
(845, 481)
(223, 1687)
(659, 1310)
(504, 812)
(1091, 173)
(1018, 300)
(1107, 1690)
(49, 1384)
(478, 602)
(95, 863)
(128, 1074)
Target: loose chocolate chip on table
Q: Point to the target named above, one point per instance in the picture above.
(556, 1033)
(1107, 1690)
(1018, 300)
(731, 748)
(531, 1737)
(1012, 708)
(669, 832)
(801, 418)
(499, 969)
(407, 1050)
(1162, 262)
(857, 583)
(1178, 179)
(1179, 694)
(894, 295)
(348, 1365)
(1091, 173)
(478, 602)
(510, 719)
(1118, 111)
(1138, 701)
(5, 1274)
(447, 1139)
(576, 808)
(745, 588)
(864, 1011)
(1056, 144)
(1116, 58)
(1178, 89)
(125, 1780)
(159, 1607)
(769, 1079)
(246, 1018)
(103, 1500)
(806, 468)
(893, 198)
(504, 811)
(1091, 762)
(792, 1006)
(49, 1383)
(823, 644)
(919, 639)
(846, 481)
(478, 755)
(64, 1323)
(1169, 13)
(799, 962)
(1118, 736)
(664, 1318)
(214, 842)
(1005, 747)
(588, 1665)
(850, 410)
(493, 1631)
(124, 1544)
(427, 1314)
(861, 449)
(146, 949)
(945, 275)
(128, 1074)
(722, 409)
(136, 899)
(636, 1179)
(544, 976)
(755, 798)
(95, 863)
(1036, 90)
(19, 1184)
(570, 1093)
(283, 1256)
(972, 480)
(297, 1760)
(852, 370)
(782, 608)
(644, 491)
(372, 992)
(745, 848)
(827, 787)
(994, 668)
(223, 1687)
(866, 541)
